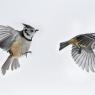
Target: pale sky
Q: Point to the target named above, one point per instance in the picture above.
(47, 71)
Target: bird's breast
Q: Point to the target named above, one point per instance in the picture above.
(19, 47)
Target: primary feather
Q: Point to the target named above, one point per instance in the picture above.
(7, 36)
(86, 59)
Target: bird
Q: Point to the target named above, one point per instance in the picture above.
(16, 43)
(83, 46)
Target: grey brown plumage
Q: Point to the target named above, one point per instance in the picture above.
(17, 43)
(82, 50)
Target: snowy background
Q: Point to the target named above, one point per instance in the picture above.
(47, 71)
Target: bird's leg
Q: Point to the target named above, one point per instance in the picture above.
(27, 53)
(77, 43)
(79, 52)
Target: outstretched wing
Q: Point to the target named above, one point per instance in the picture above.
(7, 36)
(86, 59)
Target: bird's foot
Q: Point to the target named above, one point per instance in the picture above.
(79, 52)
(27, 53)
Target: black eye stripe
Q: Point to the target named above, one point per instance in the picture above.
(27, 33)
(25, 30)
(23, 35)
(31, 30)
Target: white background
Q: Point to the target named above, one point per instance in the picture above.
(47, 71)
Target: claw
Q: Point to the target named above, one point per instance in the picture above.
(27, 53)
(79, 52)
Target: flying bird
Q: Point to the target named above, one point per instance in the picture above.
(16, 43)
(82, 50)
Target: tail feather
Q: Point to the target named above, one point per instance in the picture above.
(10, 61)
(15, 64)
(6, 65)
(63, 45)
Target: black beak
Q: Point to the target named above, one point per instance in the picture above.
(24, 25)
(36, 30)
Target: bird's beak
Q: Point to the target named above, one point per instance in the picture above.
(36, 30)
(24, 24)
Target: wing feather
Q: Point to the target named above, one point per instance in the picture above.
(93, 60)
(91, 66)
(7, 36)
(83, 62)
(86, 59)
(81, 59)
(87, 64)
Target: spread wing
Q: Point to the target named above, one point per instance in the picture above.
(7, 36)
(86, 59)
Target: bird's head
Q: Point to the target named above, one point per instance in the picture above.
(29, 31)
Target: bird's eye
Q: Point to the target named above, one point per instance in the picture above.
(31, 30)
(25, 30)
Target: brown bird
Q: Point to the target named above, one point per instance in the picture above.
(82, 50)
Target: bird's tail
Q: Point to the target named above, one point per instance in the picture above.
(10, 61)
(63, 45)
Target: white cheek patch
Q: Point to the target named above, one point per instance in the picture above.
(27, 36)
(32, 34)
